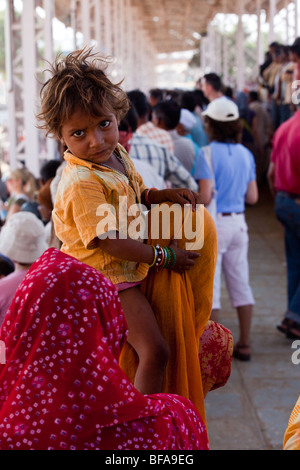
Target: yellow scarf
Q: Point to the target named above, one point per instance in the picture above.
(182, 305)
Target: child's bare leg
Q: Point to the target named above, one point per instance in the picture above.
(146, 339)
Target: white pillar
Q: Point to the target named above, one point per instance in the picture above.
(129, 46)
(73, 7)
(296, 18)
(259, 49)
(98, 24)
(108, 27)
(49, 7)
(211, 48)
(287, 25)
(203, 45)
(218, 62)
(225, 45)
(240, 62)
(24, 32)
(11, 92)
(134, 33)
(122, 33)
(85, 12)
(272, 13)
(31, 154)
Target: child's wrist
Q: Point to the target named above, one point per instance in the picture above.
(148, 198)
(164, 257)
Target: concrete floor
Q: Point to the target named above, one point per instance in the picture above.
(252, 411)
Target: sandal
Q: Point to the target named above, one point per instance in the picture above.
(238, 354)
(283, 327)
(290, 328)
(293, 331)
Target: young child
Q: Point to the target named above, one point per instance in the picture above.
(232, 168)
(82, 108)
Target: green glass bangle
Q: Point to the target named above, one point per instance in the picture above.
(167, 257)
(174, 258)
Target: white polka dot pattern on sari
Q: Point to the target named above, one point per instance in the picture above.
(62, 388)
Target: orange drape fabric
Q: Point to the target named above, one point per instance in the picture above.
(182, 305)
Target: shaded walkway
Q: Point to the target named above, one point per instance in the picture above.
(253, 410)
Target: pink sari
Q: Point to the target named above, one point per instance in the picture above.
(62, 387)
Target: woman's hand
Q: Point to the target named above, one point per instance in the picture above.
(180, 196)
(184, 259)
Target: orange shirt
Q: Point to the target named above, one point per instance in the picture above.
(86, 194)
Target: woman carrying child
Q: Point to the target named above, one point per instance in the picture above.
(164, 288)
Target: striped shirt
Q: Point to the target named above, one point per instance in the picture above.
(160, 136)
(164, 162)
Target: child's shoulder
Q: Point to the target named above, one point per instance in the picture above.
(73, 175)
(73, 170)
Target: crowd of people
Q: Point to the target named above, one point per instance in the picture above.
(81, 267)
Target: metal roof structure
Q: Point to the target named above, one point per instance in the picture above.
(133, 33)
(174, 25)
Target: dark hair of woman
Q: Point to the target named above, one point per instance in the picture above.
(230, 132)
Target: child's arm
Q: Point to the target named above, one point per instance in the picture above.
(128, 249)
(180, 196)
(132, 250)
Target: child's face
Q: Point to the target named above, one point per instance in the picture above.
(90, 138)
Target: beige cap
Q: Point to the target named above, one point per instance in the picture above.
(22, 238)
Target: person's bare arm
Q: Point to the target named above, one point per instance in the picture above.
(252, 193)
(178, 196)
(205, 191)
(126, 249)
(132, 250)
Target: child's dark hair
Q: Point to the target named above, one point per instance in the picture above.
(78, 81)
(223, 131)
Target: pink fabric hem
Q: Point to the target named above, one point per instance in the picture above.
(127, 285)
